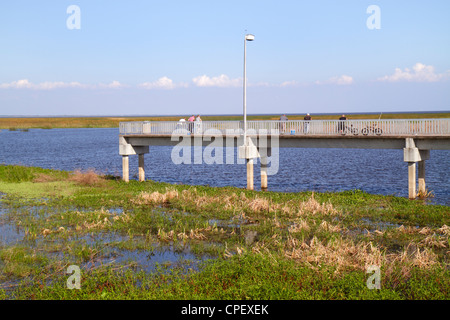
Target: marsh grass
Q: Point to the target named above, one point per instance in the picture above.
(87, 178)
(252, 245)
(113, 122)
(425, 194)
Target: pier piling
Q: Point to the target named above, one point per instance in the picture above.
(141, 167)
(422, 186)
(250, 174)
(125, 168)
(412, 180)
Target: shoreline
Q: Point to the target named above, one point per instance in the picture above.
(12, 123)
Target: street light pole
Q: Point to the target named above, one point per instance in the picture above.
(248, 37)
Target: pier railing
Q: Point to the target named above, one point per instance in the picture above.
(438, 127)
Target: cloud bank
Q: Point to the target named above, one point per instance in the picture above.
(341, 81)
(419, 73)
(161, 83)
(50, 85)
(222, 81)
(26, 84)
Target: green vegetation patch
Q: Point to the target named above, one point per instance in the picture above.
(148, 240)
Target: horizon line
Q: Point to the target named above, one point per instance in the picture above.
(215, 115)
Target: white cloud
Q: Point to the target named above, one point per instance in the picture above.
(289, 84)
(113, 85)
(419, 73)
(342, 80)
(220, 81)
(55, 85)
(161, 83)
(17, 84)
(48, 85)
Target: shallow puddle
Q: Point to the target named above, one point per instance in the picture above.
(378, 225)
(111, 249)
(10, 234)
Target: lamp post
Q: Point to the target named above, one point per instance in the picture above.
(248, 149)
(248, 37)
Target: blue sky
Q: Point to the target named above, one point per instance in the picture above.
(184, 57)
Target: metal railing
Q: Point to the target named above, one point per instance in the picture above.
(436, 127)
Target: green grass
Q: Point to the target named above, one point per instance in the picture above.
(247, 244)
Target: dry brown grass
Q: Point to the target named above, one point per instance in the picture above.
(43, 177)
(87, 178)
(257, 205)
(299, 226)
(341, 253)
(312, 206)
(444, 230)
(238, 204)
(344, 253)
(425, 194)
(308, 215)
(155, 198)
(193, 234)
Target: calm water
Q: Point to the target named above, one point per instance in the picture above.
(374, 171)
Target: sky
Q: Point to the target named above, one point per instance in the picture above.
(127, 58)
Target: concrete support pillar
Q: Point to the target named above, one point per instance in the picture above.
(125, 150)
(250, 174)
(249, 152)
(412, 155)
(412, 180)
(141, 167)
(422, 185)
(125, 168)
(264, 161)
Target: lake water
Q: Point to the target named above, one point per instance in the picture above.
(374, 171)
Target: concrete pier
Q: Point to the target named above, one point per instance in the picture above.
(413, 155)
(125, 168)
(125, 150)
(135, 139)
(141, 167)
(249, 151)
(422, 185)
(264, 180)
(250, 172)
(412, 180)
(264, 152)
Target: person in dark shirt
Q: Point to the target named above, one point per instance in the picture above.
(341, 123)
(307, 118)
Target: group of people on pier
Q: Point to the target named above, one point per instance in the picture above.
(194, 123)
(307, 119)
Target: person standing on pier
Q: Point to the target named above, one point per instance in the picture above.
(198, 124)
(283, 120)
(191, 123)
(341, 123)
(307, 119)
(181, 124)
